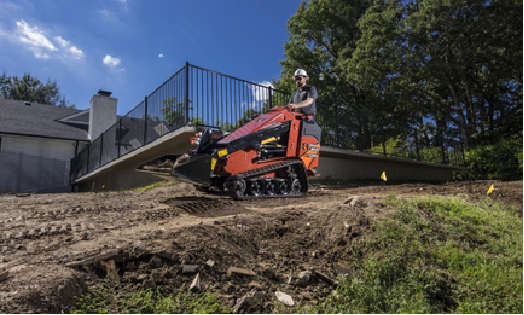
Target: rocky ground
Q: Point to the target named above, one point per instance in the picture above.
(53, 245)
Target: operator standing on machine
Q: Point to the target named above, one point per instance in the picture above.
(303, 99)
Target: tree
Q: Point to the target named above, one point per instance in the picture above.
(323, 36)
(29, 88)
(458, 63)
(436, 73)
(175, 113)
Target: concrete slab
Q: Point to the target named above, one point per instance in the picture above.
(175, 143)
(327, 151)
(123, 173)
(354, 165)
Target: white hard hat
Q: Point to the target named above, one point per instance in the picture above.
(301, 72)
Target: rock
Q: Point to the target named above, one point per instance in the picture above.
(227, 288)
(245, 303)
(240, 272)
(255, 285)
(3, 275)
(284, 298)
(305, 275)
(157, 275)
(166, 254)
(352, 201)
(304, 278)
(111, 271)
(189, 268)
(270, 274)
(227, 300)
(308, 296)
(324, 277)
(196, 285)
(87, 236)
(149, 284)
(156, 262)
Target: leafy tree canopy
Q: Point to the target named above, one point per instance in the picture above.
(445, 72)
(29, 88)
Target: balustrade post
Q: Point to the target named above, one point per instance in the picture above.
(186, 88)
(145, 121)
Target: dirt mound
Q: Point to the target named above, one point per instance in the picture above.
(53, 246)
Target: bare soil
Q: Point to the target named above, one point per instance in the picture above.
(52, 246)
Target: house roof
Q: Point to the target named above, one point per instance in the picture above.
(40, 120)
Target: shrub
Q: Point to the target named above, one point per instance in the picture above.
(501, 161)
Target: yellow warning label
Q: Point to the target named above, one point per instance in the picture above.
(213, 163)
(268, 140)
(222, 153)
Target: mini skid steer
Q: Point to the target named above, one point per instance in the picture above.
(271, 156)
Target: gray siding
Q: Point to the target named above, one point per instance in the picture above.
(34, 164)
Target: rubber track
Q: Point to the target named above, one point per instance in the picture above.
(261, 171)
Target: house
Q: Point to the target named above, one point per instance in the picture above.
(38, 141)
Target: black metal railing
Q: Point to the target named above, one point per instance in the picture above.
(192, 96)
(226, 102)
(195, 96)
(344, 129)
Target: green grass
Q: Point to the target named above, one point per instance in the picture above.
(107, 298)
(438, 255)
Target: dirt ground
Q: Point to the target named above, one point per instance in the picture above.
(53, 245)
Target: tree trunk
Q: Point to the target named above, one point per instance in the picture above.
(462, 119)
(359, 131)
(470, 110)
(367, 136)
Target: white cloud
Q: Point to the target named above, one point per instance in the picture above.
(112, 62)
(260, 94)
(160, 55)
(70, 51)
(34, 37)
(41, 56)
(76, 53)
(61, 41)
(37, 40)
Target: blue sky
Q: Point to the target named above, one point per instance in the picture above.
(115, 44)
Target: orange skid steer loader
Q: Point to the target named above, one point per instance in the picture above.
(271, 156)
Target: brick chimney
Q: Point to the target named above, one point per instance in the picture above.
(102, 113)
